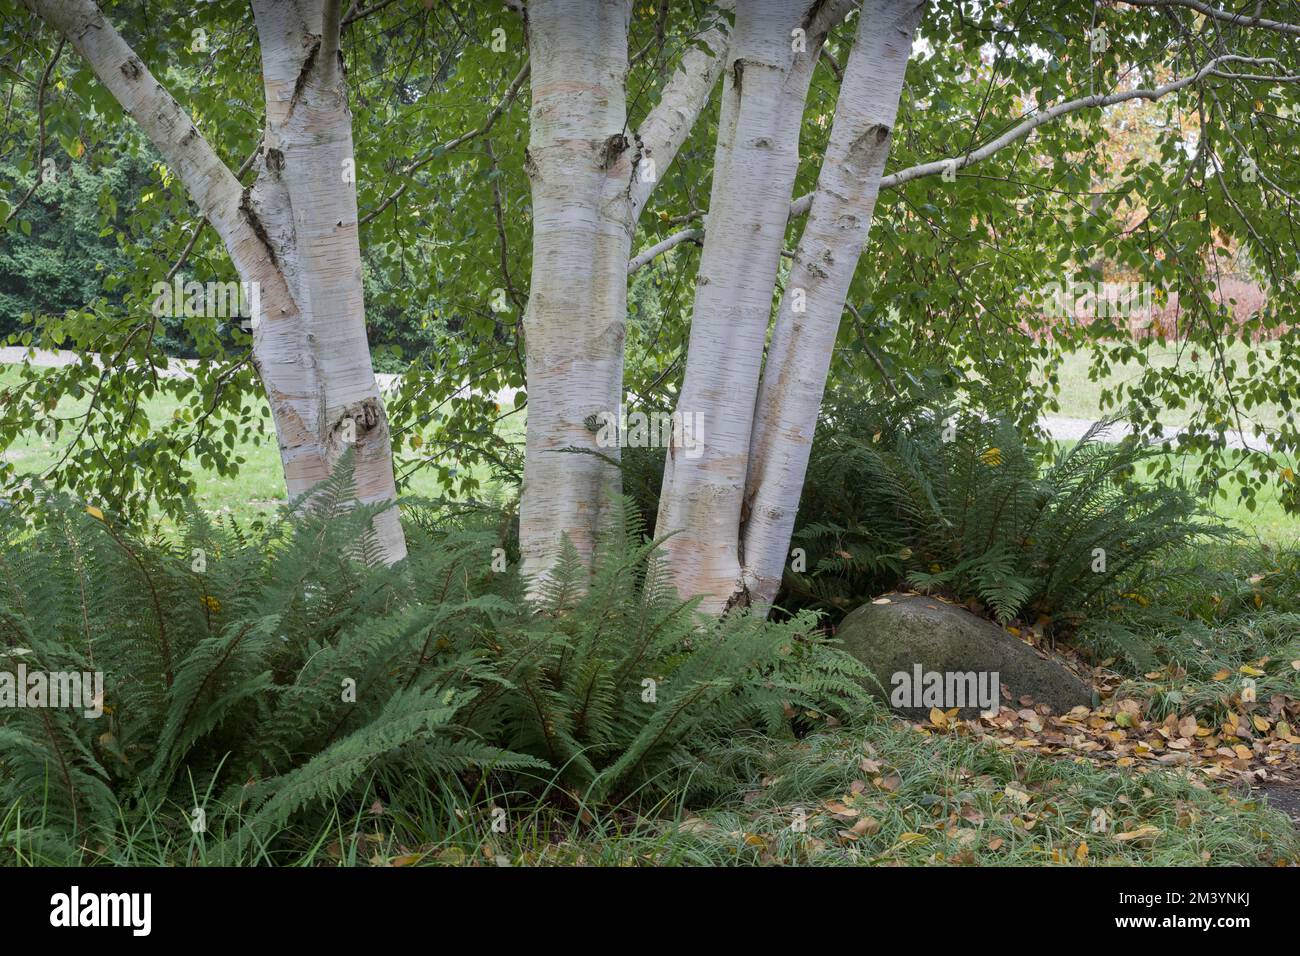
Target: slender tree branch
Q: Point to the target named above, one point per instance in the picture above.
(411, 168)
(40, 124)
(498, 209)
(1021, 130)
(171, 130)
(659, 248)
(801, 205)
(198, 227)
(860, 326)
(354, 14)
(662, 133)
(1223, 16)
(825, 15)
(833, 63)
(661, 24)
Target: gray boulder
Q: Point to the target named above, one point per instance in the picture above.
(926, 654)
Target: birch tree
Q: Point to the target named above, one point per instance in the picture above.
(292, 234)
(716, 207)
(574, 325)
(591, 181)
(807, 320)
(726, 515)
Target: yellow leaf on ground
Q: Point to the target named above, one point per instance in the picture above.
(1017, 793)
(452, 856)
(1138, 834)
(867, 825)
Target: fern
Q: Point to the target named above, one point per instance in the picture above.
(961, 503)
(281, 671)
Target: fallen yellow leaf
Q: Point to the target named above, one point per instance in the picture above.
(1138, 834)
(452, 856)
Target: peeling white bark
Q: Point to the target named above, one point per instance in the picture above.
(662, 133)
(799, 356)
(765, 85)
(316, 365)
(294, 233)
(590, 183)
(580, 162)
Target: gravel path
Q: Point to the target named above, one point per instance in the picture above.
(1072, 429)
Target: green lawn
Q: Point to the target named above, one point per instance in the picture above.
(257, 491)
(1080, 397)
(259, 488)
(1267, 524)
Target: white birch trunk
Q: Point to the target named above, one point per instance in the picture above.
(316, 365)
(580, 163)
(799, 356)
(590, 184)
(294, 234)
(765, 85)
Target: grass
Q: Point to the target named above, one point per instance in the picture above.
(1080, 396)
(1266, 523)
(256, 492)
(881, 792)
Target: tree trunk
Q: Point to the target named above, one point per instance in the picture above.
(766, 82)
(808, 320)
(313, 357)
(580, 163)
(590, 184)
(293, 234)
